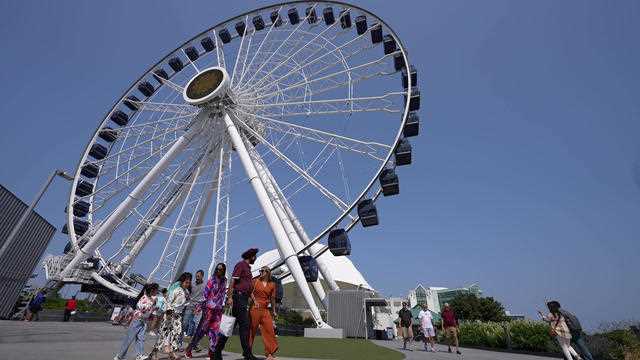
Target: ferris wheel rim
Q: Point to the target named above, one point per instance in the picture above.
(332, 223)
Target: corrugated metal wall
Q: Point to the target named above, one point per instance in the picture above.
(21, 258)
(346, 311)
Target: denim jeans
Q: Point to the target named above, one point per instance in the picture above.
(187, 321)
(578, 341)
(135, 334)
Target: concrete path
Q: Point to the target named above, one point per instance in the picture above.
(442, 354)
(21, 340)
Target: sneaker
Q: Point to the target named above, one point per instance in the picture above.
(188, 354)
(152, 333)
(458, 352)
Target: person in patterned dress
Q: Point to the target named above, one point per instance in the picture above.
(212, 307)
(171, 329)
(144, 307)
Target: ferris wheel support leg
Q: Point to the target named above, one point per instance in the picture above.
(216, 223)
(322, 264)
(285, 247)
(110, 224)
(271, 187)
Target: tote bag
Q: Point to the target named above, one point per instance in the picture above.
(227, 323)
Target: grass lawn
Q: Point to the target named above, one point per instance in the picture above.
(339, 349)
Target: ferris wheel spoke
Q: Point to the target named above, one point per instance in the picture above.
(329, 106)
(256, 53)
(317, 56)
(239, 54)
(166, 107)
(285, 41)
(314, 79)
(219, 51)
(373, 149)
(323, 190)
(319, 35)
(127, 150)
(170, 84)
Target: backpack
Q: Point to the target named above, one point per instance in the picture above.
(572, 321)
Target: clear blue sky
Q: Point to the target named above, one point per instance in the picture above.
(526, 176)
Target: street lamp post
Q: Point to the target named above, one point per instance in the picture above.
(26, 213)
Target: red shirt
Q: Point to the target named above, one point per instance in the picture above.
(449, 318)
(71, 304)
(242, 276)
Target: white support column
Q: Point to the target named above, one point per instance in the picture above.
(269, 182)
(322, 264)
(226, 219)
(285, 247)
(216, 223)
(109, 225)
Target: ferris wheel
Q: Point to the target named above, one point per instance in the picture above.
(305, 107)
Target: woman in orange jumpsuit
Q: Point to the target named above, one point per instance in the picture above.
(264, 294)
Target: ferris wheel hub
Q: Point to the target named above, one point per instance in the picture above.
(208, 86)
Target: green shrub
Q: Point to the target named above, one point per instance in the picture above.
(531, 335)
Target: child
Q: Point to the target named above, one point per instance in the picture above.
(144, 307)
(158, 312)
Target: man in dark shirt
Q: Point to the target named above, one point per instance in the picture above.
(450, 326)
(238, 295)
(406, 323)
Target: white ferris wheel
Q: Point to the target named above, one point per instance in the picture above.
(304, 106)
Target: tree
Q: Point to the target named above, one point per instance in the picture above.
(471, 307)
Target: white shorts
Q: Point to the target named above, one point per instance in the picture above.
(429, 332)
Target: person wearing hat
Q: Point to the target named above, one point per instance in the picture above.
(240, 289)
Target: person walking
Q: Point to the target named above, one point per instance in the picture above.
(406, 324)
(263, 312)
(158, 312)
(560, 330)
(211, 307)
(171, 329)
(426, 323)
(450, 327)
(240, 289)
(35, 305)
(70, 307)
(575, 328)
(197, 298)
(191, 311)
(135, 334)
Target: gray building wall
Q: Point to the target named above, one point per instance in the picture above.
(22, 256)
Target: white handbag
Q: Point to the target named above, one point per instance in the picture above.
(227, 323)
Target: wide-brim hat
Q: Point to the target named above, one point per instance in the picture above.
(250, 253)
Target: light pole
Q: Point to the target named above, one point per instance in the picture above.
(35, 201)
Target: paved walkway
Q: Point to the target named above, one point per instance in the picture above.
(21, 340)
(467, 354)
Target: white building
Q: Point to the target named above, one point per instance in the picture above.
(425, 295)
(341, 267)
